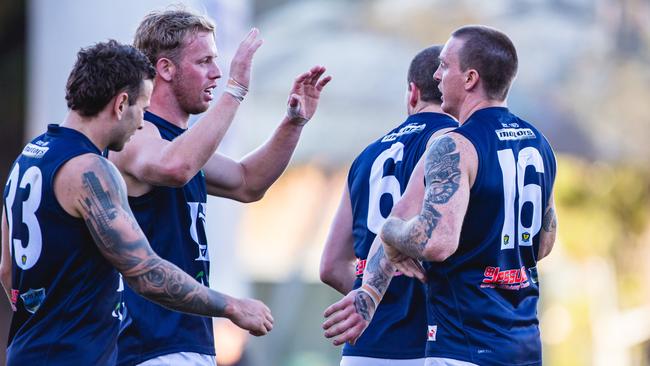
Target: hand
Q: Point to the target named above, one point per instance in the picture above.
(240, 66)
(410, 267)
(251, 315)
(348, 318)
(304, 96)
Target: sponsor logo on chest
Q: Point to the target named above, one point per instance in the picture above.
(511, 134)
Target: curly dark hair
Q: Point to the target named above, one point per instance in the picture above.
(101, 72)
(424, 64)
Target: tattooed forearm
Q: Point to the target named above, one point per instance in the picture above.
(379, 270)
(120, 240)
(361, 305)
(164, 283)
(549, 223)
(442, 178)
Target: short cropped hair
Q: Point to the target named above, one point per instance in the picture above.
(491, 53)
(101, 72)
(162, 33)
(424, 64)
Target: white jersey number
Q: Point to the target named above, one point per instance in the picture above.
(513, 184)
(197, 214)
(380, 185)
(26, 255)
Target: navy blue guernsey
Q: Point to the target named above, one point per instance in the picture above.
(376, 181)
(173, 219)
(482, 301)
(65, 292)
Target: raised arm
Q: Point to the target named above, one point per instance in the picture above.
(248, 179)
(432, 235)
(549, 229)
(337, 261)
(90, 187)
(155, 161)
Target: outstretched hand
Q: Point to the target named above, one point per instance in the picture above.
(252, 315)
(240, 66)
(349, 317)
(305, 94)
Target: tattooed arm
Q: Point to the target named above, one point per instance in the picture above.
(348, 318)
(450, 168)
(337, 261)
(91, 188)
(549, 230)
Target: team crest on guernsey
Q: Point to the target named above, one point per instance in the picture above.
(525, 237)
(33, 299)
(506, 239)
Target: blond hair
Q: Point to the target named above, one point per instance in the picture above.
(163, 33)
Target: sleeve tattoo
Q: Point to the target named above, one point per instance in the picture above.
(378, 271)
(119, 238)
(549, 222)
(442, 178)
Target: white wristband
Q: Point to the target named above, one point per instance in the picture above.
(237, 90)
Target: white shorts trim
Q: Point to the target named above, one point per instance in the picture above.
(371, 361)
(181, 358)
(439, 361)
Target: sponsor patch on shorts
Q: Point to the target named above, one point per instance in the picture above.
(431, 334)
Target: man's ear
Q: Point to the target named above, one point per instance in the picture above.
(120, 103)
(414, 94)
(165, 69)
(471, 79)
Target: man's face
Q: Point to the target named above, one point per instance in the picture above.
(133, 117)
(197, 72)
(450, 77)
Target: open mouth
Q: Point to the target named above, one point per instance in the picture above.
(208, 91)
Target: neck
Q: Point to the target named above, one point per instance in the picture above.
(426, 107)
(165, 105)
(470, 106)
(91, 127)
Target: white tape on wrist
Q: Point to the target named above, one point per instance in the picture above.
(237, 90)
(372, 292)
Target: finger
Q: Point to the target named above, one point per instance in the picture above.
(258, 331)
(268, 326)
(409, 268)
(343, 326)
(351, 335)
(321, 84)
(338, 317)
(316, 73)
(250, 36)
(253, 48)
(341, 304)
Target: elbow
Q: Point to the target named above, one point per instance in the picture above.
(544, 250)
(5, 277)
(251, 196)
(439, 251)
(326, 270)
(175, 174)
